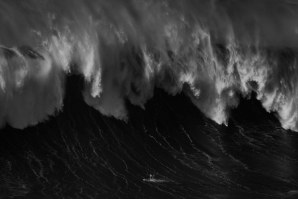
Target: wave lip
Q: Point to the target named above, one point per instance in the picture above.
(201, 48)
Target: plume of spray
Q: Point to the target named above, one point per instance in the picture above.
(214, 51)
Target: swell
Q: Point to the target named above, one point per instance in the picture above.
(212, 51)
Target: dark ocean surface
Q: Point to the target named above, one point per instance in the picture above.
(168, 150)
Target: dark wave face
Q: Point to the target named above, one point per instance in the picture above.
(164, 151)
(126, 99)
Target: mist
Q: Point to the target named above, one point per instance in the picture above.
(213, 51)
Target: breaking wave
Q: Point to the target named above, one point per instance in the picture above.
(214, 51)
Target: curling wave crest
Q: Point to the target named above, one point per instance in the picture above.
(214, 51)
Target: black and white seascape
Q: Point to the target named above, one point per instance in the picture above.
(148, 99)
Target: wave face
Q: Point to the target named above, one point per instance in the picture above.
(213, 51)
(166, 151)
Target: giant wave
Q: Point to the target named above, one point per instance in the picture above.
(124, 49)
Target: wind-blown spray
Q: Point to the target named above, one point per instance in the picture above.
(213, 51)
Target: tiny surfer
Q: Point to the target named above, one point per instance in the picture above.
(153, 179)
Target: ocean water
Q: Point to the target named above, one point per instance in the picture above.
(148, 99)
(82, 154)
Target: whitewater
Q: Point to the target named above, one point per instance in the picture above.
(126, 49)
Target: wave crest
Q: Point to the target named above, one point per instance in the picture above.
(214, 52)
